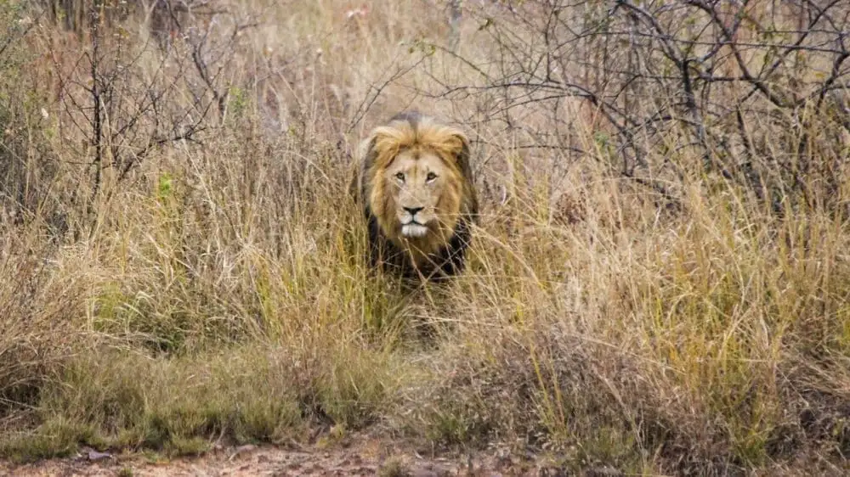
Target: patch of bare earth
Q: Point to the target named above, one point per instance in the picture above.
(358, 456)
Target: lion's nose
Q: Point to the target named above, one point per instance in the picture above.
(413, 210)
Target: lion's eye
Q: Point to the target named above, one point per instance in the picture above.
(400, 176)
(430, 177)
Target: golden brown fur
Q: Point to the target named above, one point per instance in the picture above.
(416, 187)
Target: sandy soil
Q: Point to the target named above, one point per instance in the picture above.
(360, 457)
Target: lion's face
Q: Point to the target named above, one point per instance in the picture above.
(423, 193)
(417, 184)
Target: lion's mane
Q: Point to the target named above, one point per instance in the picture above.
(438, 255)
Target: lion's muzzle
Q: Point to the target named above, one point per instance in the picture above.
(412, 226)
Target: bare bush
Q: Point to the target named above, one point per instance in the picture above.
(660, 82)
(118, 99)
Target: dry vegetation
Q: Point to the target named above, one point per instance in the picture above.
(659, 282)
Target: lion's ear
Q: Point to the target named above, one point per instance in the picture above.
(368, 152)
(462, 154)
(380, 143)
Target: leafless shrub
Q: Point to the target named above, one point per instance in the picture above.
(741, 84)
(119, 97)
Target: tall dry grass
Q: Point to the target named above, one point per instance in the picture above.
(219, 291)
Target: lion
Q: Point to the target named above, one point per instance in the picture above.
(416, 188)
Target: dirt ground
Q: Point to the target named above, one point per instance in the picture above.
(366, 456)
(361, 456)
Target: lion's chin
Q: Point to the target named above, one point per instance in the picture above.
(414, 230)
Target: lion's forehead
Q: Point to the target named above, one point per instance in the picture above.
(419, 160)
